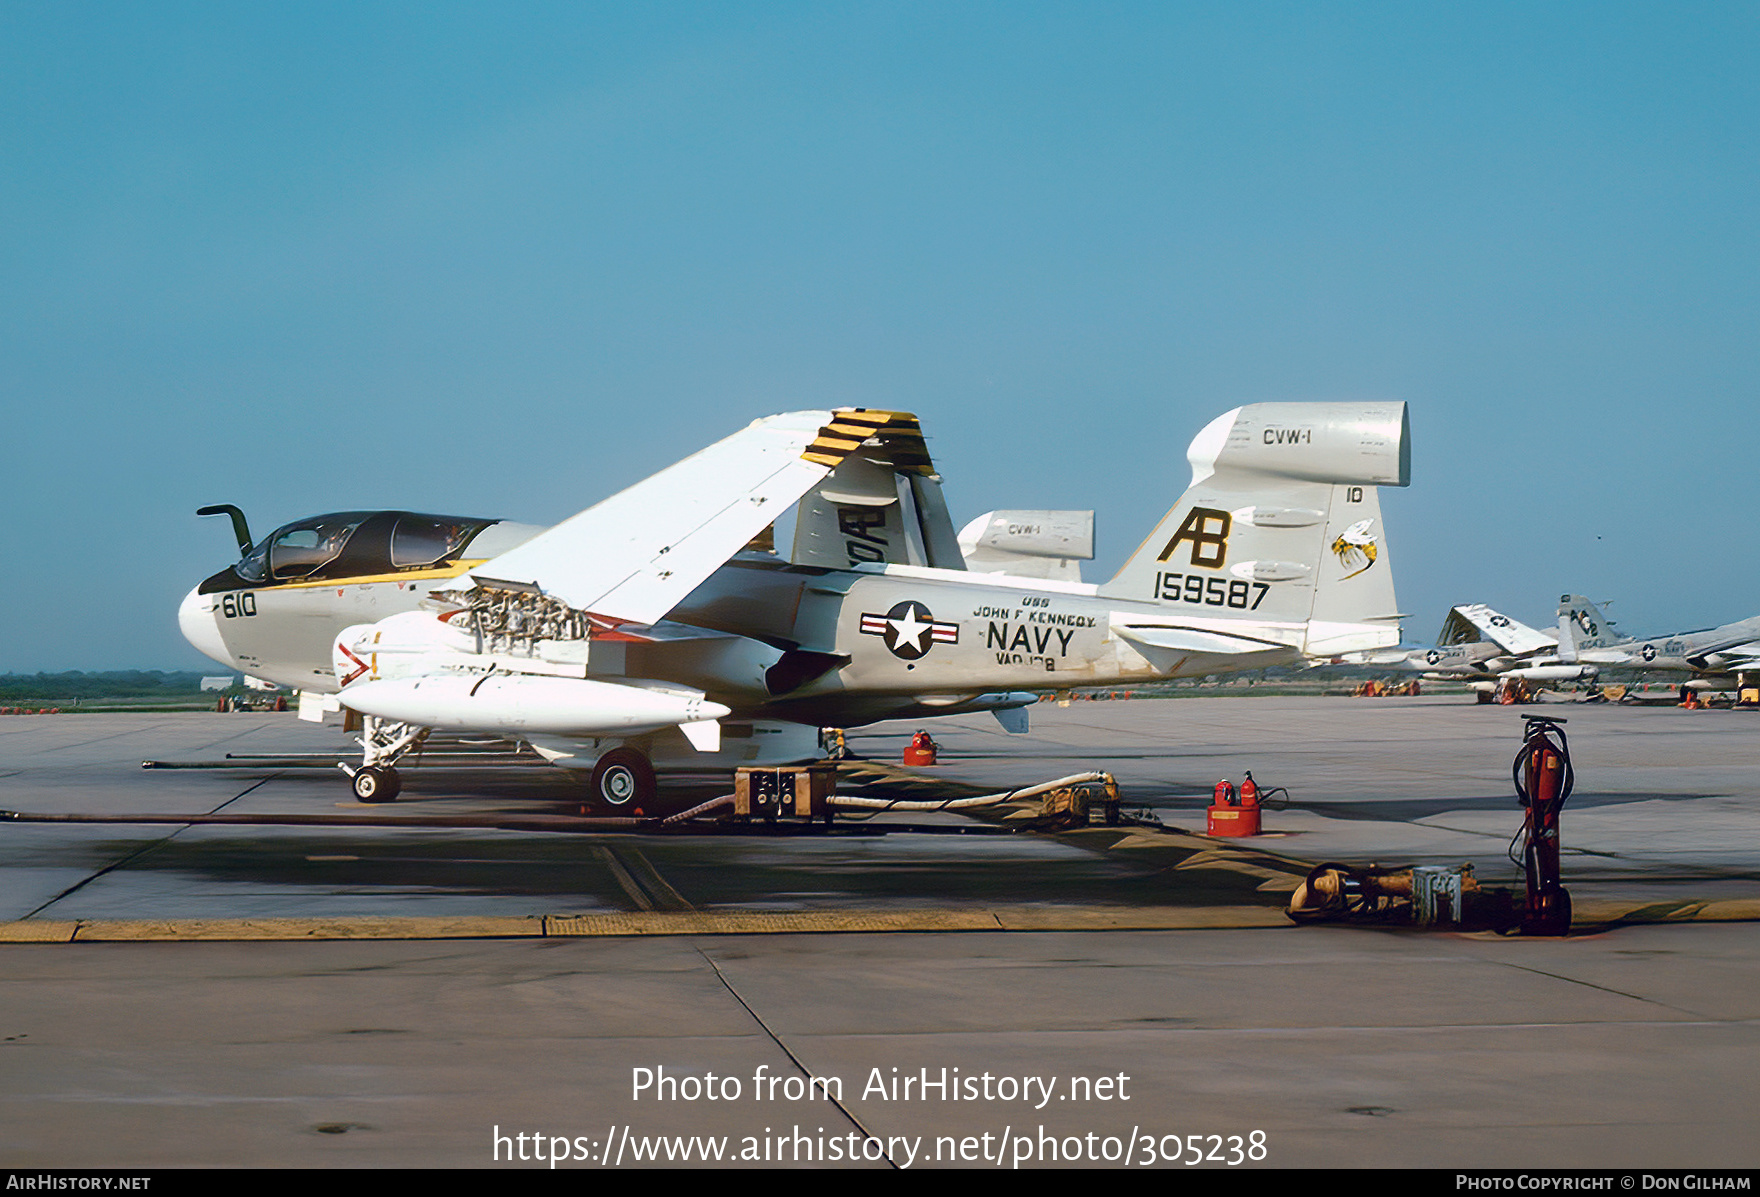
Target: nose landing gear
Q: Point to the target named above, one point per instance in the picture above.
(383, 744)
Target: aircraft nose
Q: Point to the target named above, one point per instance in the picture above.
(196, 617)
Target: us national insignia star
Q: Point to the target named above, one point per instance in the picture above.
(909, 630)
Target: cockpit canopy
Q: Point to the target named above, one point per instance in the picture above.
(350, 544)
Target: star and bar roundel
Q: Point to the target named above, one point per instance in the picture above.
(910, 631)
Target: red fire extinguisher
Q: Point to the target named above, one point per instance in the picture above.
(921, 750)
(1232, 816)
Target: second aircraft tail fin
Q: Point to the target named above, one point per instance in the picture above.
(1282, 524)
(1589, 627)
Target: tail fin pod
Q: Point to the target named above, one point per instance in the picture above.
(1282, 523)
(1029, 544)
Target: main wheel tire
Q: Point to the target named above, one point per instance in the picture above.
(624, 779)
(375, 783)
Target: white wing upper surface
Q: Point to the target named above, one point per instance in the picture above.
(636, 555)
(1510, 635)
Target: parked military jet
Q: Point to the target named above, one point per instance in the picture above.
(1480, 646)
(664, 623)
(1709, 656)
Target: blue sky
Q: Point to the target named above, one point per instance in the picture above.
(506, 259)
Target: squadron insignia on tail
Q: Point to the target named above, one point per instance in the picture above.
(1356, 543)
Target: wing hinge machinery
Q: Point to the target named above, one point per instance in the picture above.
(615, 570)
(600, 576)
(514, 617)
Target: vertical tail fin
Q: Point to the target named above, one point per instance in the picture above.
(881, 502)
(1282, 524)
(1592, 628)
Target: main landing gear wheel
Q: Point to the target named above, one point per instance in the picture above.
(376, 783)
(623, 780)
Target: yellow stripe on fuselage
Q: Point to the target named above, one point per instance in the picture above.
(412, 575)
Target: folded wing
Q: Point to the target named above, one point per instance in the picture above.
(636, 555)
(1479, 622)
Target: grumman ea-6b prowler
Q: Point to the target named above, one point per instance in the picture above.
(663, 624)
(1714, 658)
(1487, 650)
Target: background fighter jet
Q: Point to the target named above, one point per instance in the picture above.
(1711, 656)
(666, 623)
(1480, 646)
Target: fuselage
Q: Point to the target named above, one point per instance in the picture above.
(1485, 662)
(806, 643)
(1729, 649)
(1476, 659)
(882, 635)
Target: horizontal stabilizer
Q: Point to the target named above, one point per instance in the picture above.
(1191, 640)
(1186, 652)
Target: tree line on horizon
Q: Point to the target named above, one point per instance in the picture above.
(116, 683)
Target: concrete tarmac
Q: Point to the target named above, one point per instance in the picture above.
(1633, 1046)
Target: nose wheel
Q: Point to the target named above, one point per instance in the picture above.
(377, 783)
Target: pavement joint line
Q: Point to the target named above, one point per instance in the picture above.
(143, 850)
(1590, 917)
(1636, 997)
(837, 1102)
(664, 894)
